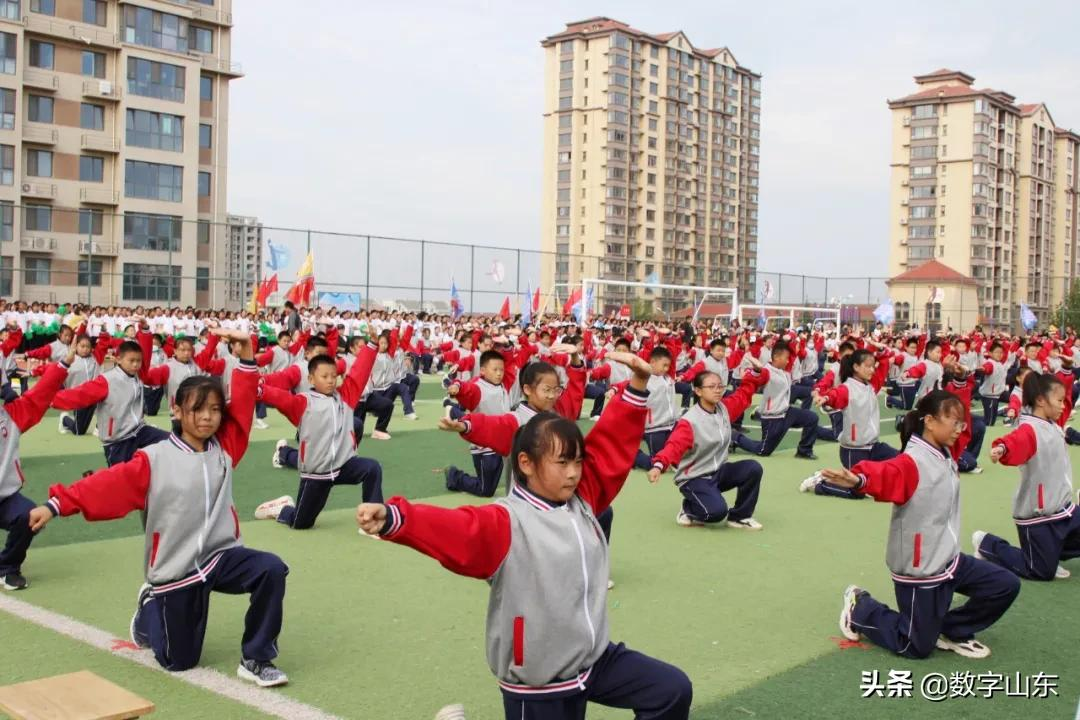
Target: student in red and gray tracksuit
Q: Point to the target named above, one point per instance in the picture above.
(1046, 519)
(485, 394)
(193, 544)
(923, 550)
(543, 554)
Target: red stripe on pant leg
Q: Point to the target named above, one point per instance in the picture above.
(1040, 496)
(918, 550)
(155, 541)
(519, 640)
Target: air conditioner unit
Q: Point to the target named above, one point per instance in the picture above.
(903, 241)
(903, 221)
(26, 187)
(105, 87)
(904, 201)
(904, 183)
(907, 120)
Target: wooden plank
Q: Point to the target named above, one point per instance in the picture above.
(76, 696)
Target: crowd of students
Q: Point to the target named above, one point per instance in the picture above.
(665, 397)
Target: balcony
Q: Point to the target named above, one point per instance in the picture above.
(213, 64)
(97, 196)
(39, 134)
(42, 191)
(98, 247)
(101, 90)
(100, 143)
(37, 243)
(88, 34)
(40, 79)
(211, 15)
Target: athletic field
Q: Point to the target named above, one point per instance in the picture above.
(373, 630)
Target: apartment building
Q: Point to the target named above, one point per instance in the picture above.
(113, 148)
(651, 151)
(977, 184)
(244, 253)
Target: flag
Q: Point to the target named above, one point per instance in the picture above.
(767, 290)
(652, 278)
(1027, 318)
(504, 311)
(253, 303)
(575, 297)
(581, 309)
(527, 307)
(697, 307)
(456, 308)
(536, 300)
(624, 312)
(885, 313)
(267, 288)
(300, 293)
(937, 295)
(761, 319)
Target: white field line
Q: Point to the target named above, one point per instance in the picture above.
(266, 701)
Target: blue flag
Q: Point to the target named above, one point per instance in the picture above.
(526, 306)
(1027, 318)
(581, 308)
(456, 308)
(885, 313)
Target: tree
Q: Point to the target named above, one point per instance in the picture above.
(642, 309)
(1067, 313)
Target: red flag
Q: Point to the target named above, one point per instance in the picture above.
(267, 288)
(536, 301)
(504, 311)
(568, 306)
(300, 293)
(624, 311)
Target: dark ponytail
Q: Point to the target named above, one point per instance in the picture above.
(933, 403)
(1037, 386)
(848, 362)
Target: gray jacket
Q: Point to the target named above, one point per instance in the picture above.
(1045, 492)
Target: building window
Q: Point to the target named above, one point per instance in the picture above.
(91, 117)
(206, 87)
(204, 232)
(151, 282)
(93, 64)
(155, 79)
(204, 184)
(152, 232)
(90, 221)
(89, 273)
(7, 221)
(94, 12)
(205, 132)
(153, 181)
(42, 54)
(7, 164)
(37, 217)
(91, 169)
(39, 163)
(202, 279)
(201, 39)
(45, 7)
(36, 270)
(7, 109)
(7, 53)
(9, 9)
(39, 108)
(155, 130)
(143, 26)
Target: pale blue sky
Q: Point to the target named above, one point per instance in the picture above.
(423, 119)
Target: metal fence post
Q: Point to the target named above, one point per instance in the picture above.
(472, 275)
(517, 282)
(169, 292)
(367, 275)
(422, 244)
(803, 289)
(89, 259)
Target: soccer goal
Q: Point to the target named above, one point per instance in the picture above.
(731, 295)
(778, 317)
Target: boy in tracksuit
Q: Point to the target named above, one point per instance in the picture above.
(175, 370)
(607, 375)
(777, 415)
(118, 394)
(193, 546)
(663, 410)
(16, 418)
(904, 399)
(85, 367)
(995, 369)
(486, 394)
(327, 455)
(830, 380)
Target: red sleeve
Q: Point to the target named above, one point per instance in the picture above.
(735, 357)
(332, 341)
(451, 356)
(987, 368)
(14, 339)
(1015, 403)
(235, 429)
(825, 383)
(285, 379)
(610, 449)
(107, 494)
(569, 403)
(265, 357)
(1020, 445)
(472, 540)
(153, 376)
(692, 372)
(837, 398)
(300, 342)
(81, 396)
(560, 359)
(29, 408)
(491, 431)
(737, 402)
(406, 337)
(42, 353)
(170, 346)
(916, 371)
(468, 395)
(680, 440)
(881, 373)
(446, 347)
(355, 382)
(290, 405)
(892, 481)
(208, 354)
(391, 349)
(674, 346)
(600, 372)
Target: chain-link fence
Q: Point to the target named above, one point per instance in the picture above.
(93, 255)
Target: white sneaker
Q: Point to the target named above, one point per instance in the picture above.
(610, 584)
(379, 435)
(745, 524)
(62, 429)
(810, 483)
(270, 509)
(95, 432)
(594, 418)
(1061, 573)
(977, 470)
(260, 424)
(968, 648)
(276, 459)
(851, 596)
(451, 712)
(410, 416)
(446, 411)
(976, 543)
(686, 521)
